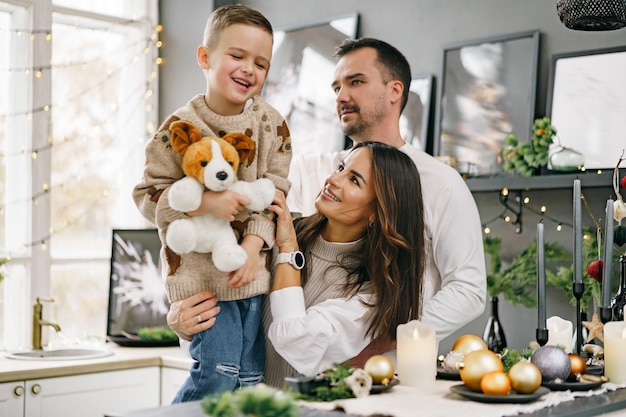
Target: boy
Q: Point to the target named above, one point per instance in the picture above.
(235, 58)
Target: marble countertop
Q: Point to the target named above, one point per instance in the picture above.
(122, 358)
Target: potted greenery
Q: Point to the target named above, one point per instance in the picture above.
(528, 158)
(514, 283)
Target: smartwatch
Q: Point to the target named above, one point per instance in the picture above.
(296, 259)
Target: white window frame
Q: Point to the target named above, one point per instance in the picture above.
(29, 271)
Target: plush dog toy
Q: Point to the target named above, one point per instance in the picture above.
(211, 162)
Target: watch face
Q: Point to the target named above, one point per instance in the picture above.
(298, 260)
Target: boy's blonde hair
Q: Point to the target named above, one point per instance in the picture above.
(230, 14)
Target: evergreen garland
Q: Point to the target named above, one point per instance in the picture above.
(259, 401)
(515, 282)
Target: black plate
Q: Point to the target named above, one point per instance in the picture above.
(595, 370)
(572, 386)
(450, 376)
(513, 397)
(126, 342)
(307, 384)
(377, 389)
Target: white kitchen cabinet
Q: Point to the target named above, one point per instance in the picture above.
(87, 395)
(171, 380)
(12, 399)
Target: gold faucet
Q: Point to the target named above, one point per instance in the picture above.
(38, 322)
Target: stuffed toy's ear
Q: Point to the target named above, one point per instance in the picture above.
(183, 135)
(244, 145)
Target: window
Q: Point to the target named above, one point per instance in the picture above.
(78, 120)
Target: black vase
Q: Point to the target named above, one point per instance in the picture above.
(619, 300)
(494, 334)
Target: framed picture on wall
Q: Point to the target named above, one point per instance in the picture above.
(137, 299)
(415, 119)
(587, 103)
(486, 90)
(298, 83)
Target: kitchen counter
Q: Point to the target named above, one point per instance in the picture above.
(122, 358)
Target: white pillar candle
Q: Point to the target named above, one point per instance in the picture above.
(417, 354)
(560, 332)
(614, 351)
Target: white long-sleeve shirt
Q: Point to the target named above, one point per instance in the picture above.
(455, 283)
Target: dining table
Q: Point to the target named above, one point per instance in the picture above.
(442, 400)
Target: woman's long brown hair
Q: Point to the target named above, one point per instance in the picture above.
(393, 257)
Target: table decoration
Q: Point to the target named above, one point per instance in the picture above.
(595, 328)
(476, 364)
(440, 400)
(416, 354)
(542, 330)
(258, 401)
(553, 363)
(448, 375)
(605, 309)
(571, 385)
(578, 286)
(560, 332)
(512, 397)
(380, 368)
(615, 351)
(525, 377)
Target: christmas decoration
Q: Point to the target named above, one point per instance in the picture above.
(476, 364)
(258, 401)
(495, 383)
(553, 363)
(525, 377)
(380, 368)
(468, 343)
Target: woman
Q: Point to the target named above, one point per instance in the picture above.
(363, 271)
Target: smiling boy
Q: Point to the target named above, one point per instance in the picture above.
(235, 57)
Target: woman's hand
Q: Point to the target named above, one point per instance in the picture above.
(285, 233)
(193, 315)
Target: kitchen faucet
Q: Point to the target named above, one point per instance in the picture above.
(38, 322)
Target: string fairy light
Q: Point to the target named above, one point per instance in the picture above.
(138, 97)
(542, 212)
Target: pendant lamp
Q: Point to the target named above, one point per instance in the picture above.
(592, 15)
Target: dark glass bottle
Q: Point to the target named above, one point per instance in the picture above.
(619, 300)
(494, 334)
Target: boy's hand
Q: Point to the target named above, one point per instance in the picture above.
(223, 204)
(248, 272)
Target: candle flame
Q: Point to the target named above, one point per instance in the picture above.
(416, 334)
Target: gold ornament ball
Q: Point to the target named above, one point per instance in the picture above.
(469, 343)
(525, 377)
(476, 364)
(495, 383)
(578, 366)
(380, 368)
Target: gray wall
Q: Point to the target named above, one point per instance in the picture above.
(419, 28)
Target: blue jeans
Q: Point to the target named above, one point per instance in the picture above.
(229, 355)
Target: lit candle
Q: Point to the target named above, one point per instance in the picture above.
(560, 332)
(541, 279)
(578, 234)
(417, 354)
(608, 254)
(614, 348)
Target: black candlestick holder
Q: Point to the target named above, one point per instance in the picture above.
(578, 288)
(542, 336)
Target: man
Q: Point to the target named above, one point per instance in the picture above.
(371, 84)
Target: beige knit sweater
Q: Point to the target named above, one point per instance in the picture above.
(326, 281)
(188, 274)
